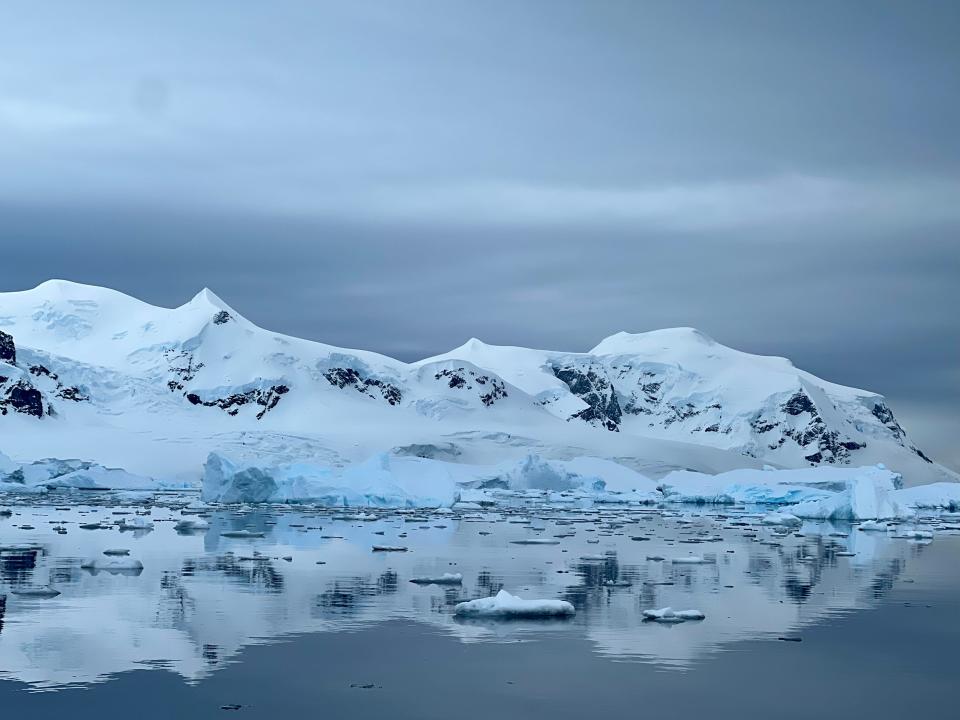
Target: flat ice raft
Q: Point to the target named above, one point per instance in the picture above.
(669, 615)
(505, 606)
(113, 564)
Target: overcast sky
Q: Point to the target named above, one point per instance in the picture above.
(401, 176)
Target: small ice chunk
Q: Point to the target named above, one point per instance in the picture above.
(191, 524)
(242, 534)
(445, 579)
(781, 519)
(536, 541)
(913, 534)
(873, 526)
(503, 605)
(113, 565)
(389, 548)
(669, 615)
(690, 560)
(136, 523)
(116, 552)
(35, 591)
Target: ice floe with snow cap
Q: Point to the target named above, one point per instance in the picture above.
(505, 606)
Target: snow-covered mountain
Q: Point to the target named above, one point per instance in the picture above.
(92, 373)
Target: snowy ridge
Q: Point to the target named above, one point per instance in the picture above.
(91, 373)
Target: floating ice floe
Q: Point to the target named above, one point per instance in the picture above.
(113, 565)
(873, 526)
(503, 605)
(913, 534)
(445, 579)
(35, 591)
(242, 534)
(188, 525)
(781, 519)
(669, 615)
(691, 560)
(535, 541)
(136, 523)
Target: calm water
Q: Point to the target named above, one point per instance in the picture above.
(308, 620)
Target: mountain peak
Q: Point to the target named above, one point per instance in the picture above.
(678, 337)
(209, 300)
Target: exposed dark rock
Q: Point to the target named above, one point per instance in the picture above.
(882, 413)
(433, 451)
(920, 454)
(8, 350)
(342, 377)
(463, 379)
(23, 398)
(267, 399)
(597, 392)
(497, 392)
(222, 318)
(799, 403)
(72, 393)
(42, 371)
(762, 425)
(183, 367)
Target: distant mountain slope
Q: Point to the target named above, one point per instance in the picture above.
(106, 377)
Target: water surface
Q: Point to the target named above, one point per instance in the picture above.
(308, 618)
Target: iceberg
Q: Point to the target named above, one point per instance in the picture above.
(54, 473)
(669, 615)
(781, 519)
(189, 525)
(445, 579)
(36, 591)
(381, 481)
(868, 495)
(945, 495)
(505, 606)
(117, 565)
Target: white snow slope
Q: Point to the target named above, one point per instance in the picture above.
(87, 372)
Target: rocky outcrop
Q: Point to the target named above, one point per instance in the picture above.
(885, 415)
(8, 351)
(23, 391)
(342, 377)
(597, 391)
(490, 389)
(21, 397)
(183, 368)
(267, 399)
